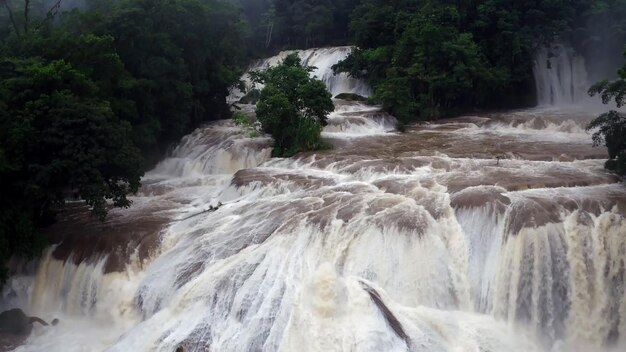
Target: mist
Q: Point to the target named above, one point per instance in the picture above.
(601, 42)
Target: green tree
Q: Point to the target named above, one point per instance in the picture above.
(431, 58)
(611, 126)
(58, 139)
(422, 66)
(83, 94)
(293, 107)
(184, 56)
(296, 24)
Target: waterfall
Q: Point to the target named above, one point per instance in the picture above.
(560, 77)
(322, 59)
(494, 233)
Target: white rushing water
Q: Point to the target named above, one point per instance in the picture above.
(421, 241)
(560, 77)
(323, 60)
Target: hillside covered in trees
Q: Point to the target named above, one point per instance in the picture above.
(94, 92)
(93, 96)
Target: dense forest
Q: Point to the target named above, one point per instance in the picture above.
(91, 98)
(427, 59)
(94, 92)
(300, 24)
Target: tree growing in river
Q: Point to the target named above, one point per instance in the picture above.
(293, 107)
(611, 126)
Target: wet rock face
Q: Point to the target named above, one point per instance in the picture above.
(15, 322)
(15, 327)
(9, 342)
(81, 238)
(252, 97)
(351, 97)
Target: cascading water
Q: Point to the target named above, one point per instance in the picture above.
(560, 77)
(322, 59)
(494, 233)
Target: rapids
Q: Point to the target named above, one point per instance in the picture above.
(499, 232)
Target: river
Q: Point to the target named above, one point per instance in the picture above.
(495, 232)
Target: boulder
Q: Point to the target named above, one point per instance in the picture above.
(15, 322)
(351, 97)
(252, 97)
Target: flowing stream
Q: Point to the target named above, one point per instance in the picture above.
(499, 232)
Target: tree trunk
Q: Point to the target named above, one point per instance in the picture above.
(268, 36)
(26, 13)
(15, 27)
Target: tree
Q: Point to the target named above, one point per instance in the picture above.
(58, 139)
(268, 20)
(26, 8)
(295, 24)
(293, 107)
(611, 126)
(430, 58)
(422, 66)
(184, 56)
(83, 95)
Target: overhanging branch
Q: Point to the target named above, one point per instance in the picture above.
(51, 13)
(11, 17)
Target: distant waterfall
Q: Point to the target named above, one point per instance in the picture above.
(560, 76)
(323, 60)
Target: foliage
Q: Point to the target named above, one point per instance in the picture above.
(241, 119)
(90, 98)
(168, 66)
(293, 107)
(58, 138)
(611, 126)
(184, 56)
(297, 24)
(244, 121)
(426, 58)
(611, 91)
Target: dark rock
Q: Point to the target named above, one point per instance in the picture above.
(351, 97)
(393, 322)
(252, 97)
(15, 322)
